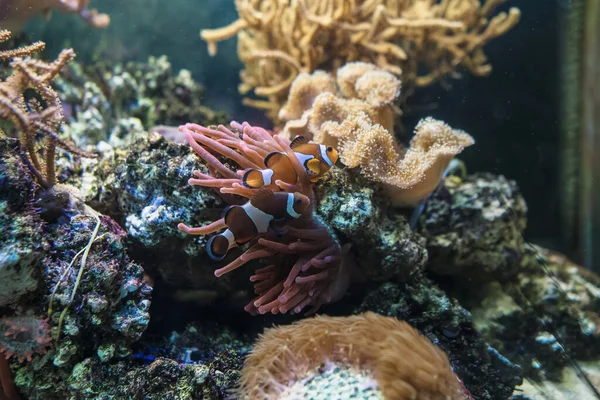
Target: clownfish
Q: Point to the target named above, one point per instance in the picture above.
(279, 167)
(244, 223)
(316, 159)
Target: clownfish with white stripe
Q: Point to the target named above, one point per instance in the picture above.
(316, 159)
(265, 210)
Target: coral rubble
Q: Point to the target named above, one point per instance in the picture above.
(384, 246)
(144, 188)
(420, 40)
(21, 233)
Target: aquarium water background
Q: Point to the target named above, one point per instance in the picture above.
(514, 114)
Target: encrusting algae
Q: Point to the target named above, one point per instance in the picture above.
(420, 41)
(403, 363)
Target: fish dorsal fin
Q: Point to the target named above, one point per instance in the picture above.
(262, 196)
(299, 140)
(274, 158)
(231, 213)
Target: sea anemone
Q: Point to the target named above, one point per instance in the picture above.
(304, 263)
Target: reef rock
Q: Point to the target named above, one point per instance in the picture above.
(474, 227)
(118, 104)
(484, 371)
(20, 227)
(546, 314)
(383, 243)
(145, 189)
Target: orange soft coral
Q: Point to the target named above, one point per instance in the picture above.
(354, 112)
(404, 364)
(421, 41)
(305, 263)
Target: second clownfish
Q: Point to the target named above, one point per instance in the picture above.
(244, 223)
(316, 159)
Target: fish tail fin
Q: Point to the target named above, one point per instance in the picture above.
(217, 247)
(253, 179)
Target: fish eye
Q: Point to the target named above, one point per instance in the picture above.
(298, 202)
(329, 149)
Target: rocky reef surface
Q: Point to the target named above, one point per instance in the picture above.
(502, 310)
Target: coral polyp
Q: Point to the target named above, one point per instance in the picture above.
(22, 337)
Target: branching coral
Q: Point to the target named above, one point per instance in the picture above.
(354, 113)
(14, 14)
(30, 103)
(419, 40)
(404, 364)
(305, 262)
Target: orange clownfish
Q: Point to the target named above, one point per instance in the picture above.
(244, 223)
(316, 159)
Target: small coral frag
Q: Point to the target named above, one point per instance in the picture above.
(404, 363)
(21, 337)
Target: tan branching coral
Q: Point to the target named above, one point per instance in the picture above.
(421, 41)
(404, 364)
(357, 118)
(14, 14)
(40, 112)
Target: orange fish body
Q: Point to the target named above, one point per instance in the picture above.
(316, 159)
(279, 167)
(255, 218)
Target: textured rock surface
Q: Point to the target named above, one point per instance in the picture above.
(485, 372)
(145, 189)
(110, 309)
(162, 379)
(382, 241)
(119, 103)
(551, 307)
(474, 227)
(21, 240)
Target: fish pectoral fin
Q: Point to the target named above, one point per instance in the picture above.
(313, 166)
(217, 247)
